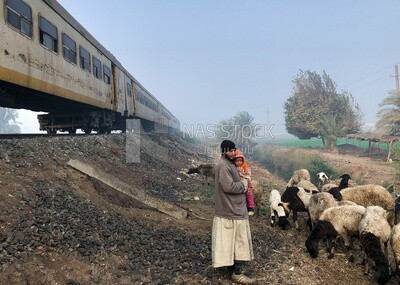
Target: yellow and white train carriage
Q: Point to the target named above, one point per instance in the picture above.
(51, 63)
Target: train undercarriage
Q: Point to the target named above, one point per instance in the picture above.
(102, 122)
(63, 115)
(66, 115)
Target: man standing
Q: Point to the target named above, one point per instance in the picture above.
(231, 236)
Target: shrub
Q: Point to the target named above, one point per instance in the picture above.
(283, 162)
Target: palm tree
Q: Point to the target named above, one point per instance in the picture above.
(330, 130)
(8, 121)
(389, 115)
(246, 128)
(240, 128)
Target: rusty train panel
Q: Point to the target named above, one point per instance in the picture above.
(50, 63)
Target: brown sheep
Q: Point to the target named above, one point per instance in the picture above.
(257, 193)
(206, 169)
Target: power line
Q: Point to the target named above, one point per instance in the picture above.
(373, 82)
(369, 75)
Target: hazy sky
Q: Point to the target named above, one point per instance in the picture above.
(208, 60)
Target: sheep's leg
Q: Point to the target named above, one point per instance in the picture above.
(386, 248)
(397, 262)
(309, 222)
(367, 264)
(331, 245)
(348, 244)
(295, 217)
(272, 220)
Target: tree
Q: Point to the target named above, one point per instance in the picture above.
(8, 121)
(240, 128)
(389, 115)
(330, 130)
(315, 97)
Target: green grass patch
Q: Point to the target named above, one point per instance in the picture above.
(291, 141)
(210, 192)
(286, 141)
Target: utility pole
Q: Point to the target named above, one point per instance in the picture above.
(396, 76)
(267, 116)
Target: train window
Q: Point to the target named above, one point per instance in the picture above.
(129, 89)
(96, 67)
(107, 74)
(69, 48)
(84, 58)
(48, 34)
(19, 15)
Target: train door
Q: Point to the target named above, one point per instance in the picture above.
(121, 94)
(115, 75)
(129, 102)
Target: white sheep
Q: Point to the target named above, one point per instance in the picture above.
(375, 231)
(277, 208)
(395, 237)
(319, 202)
(323, 179)
(369, 195)
(395, 245)
(296, 199)
(307, 185)
(339, 221)
(297, 176)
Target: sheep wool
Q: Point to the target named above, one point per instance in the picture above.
(328, 186)
(297, 176)
(371, 195)
(277, 208)
(395, 245)
(336, 221)
(374, 232)
(296, 199)
(318, 204)
(257, 194)
(307, 185)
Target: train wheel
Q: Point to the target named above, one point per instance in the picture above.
(51, 131)
(72, 131)
(87, 131)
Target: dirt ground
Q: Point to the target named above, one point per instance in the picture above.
(59, 226)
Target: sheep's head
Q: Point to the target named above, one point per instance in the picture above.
(335, 191)
(312, 247)
(383, 273)
(323, 178)
(283, 223)
(345, 177)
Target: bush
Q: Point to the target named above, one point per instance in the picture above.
(283, 162)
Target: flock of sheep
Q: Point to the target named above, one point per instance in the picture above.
(343, 210)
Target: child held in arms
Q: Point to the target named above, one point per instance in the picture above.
(245, 172)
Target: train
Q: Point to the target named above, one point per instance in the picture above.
(50, 63)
